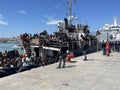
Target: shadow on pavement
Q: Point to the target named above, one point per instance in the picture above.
(71, 61)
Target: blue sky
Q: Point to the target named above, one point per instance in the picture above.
(34, 16)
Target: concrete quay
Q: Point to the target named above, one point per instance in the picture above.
(98, 73)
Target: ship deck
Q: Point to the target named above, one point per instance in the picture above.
(98, 73)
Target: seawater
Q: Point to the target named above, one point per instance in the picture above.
(8, 47)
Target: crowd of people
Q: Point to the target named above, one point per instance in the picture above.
(113, 46)
(10, 59)
(13, 59)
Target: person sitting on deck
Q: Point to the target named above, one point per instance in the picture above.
(25, 60)
(5, 54)
(33, 56)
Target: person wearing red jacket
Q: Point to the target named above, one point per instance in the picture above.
(107, 48)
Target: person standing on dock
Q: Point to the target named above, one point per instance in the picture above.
(107, 48)
(62, 55)
(104, 47)
(85, 47)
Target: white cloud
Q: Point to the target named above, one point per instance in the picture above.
(49, 17)
(22, 12)
(57, 6)
(1, 16)
(51, 20)
(3, 22)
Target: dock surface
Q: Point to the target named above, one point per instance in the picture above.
(98, 73)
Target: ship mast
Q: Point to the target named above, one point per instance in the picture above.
(70, 3)
(115, 23)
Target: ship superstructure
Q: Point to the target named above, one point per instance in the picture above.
(110, 32)
(69, 34)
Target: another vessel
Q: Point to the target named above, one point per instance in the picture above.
(17, 46)
(110, 32)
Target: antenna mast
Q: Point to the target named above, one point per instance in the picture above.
(71, 2)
